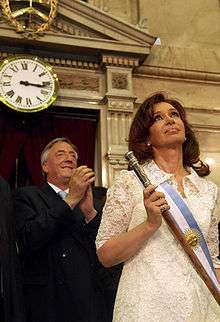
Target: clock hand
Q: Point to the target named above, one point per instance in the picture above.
(26, 83)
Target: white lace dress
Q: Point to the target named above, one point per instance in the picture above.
(159, 283)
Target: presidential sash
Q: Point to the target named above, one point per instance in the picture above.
(191, 234)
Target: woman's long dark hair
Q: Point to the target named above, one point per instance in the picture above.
(139, 132)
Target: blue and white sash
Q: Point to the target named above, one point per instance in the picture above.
(188, 226)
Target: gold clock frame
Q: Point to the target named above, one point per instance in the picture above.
(48, 67)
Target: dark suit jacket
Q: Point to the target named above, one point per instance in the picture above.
(58, 256)
(11, 297)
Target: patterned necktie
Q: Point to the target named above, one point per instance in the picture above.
(62, 194)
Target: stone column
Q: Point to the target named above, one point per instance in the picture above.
(119, 106)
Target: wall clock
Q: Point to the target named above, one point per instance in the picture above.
(27, 84)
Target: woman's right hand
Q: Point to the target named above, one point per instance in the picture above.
(155, 203)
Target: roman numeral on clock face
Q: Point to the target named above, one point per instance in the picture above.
(42, 74)
(28, 101)
(18, 100)
(7, 76)
(6, 84)
(39, 99)
(24, 65)
(43, 92)
(14, 68)
(46, 84)
(35, 67)
(10, 93)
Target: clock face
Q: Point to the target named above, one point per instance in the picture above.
(27, 84)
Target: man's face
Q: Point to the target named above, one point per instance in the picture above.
(61, 161)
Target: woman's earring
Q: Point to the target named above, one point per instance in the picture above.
(148, 144)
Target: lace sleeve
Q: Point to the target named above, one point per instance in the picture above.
(117, 210)
(212, 236)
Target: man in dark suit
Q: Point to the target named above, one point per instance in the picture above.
(56, 240)
(11, 304)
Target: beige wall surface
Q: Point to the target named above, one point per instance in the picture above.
(126, 10)
(183, 23)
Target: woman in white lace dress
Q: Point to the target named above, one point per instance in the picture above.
(158, 282)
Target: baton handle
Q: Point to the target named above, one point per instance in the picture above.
(133, 163)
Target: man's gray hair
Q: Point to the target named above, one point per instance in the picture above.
(44, 154)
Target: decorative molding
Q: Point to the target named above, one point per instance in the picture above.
(213, 111)
(64, 62)
(117, 162)
(120, 61)
(72, 63)
(206, 128)
(116, 158)
(69, 28)
(204, 119)
(177, 74)
(66, 98)
(122, 104)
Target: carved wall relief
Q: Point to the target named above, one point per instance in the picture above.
(119, 81)
(80, 82)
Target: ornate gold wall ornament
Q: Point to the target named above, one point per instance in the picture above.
(30, 20)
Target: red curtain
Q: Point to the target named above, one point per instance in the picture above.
(12, 139)
(32, 132)
(82, 133)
